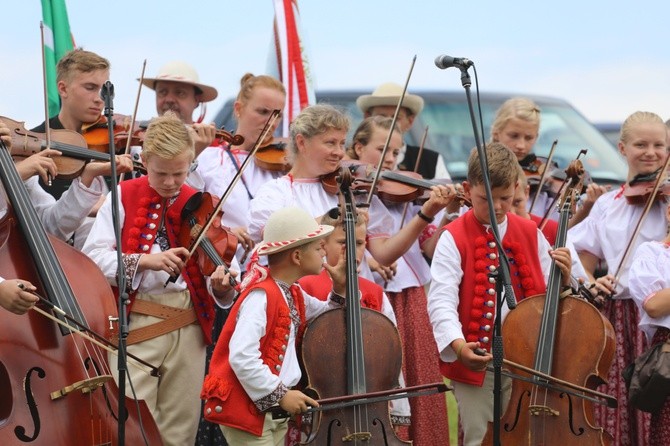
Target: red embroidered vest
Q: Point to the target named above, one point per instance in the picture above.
(143, 208)
(477, 299)
(226, 402)
(320, 286)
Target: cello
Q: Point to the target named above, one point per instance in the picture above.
(562, 338)
(357, 340)
(56, 387)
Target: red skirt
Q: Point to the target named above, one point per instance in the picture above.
(659, 429)
(626, 425)
(429, 423)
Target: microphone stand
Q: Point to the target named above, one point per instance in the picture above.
(107, 95)
(501, 275)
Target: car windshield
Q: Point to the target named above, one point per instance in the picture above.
(450, 130)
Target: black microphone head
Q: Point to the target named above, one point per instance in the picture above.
(443, 62)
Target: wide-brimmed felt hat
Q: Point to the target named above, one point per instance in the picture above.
(289, 228)
(178, 71)
(389, 94)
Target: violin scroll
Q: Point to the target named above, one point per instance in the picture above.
(233, 140)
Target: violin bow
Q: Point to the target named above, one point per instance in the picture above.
(581, 392)
(388, 138)
(543, 177)
(268, 125)
(134, 116)
(84, 331)
(47, 129)
(341, 402)
(416, 169)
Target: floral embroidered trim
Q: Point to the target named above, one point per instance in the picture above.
(398, 420)
(162, 239)
(427, 233)
(340, 300)
(272, 399)
(130, 263)
(619, 194)
(293, 311)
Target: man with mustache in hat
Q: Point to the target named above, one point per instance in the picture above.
(178, 89)
(383, 102)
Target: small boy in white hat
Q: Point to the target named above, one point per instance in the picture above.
(255, 363)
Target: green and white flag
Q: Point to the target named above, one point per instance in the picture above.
(57, 41)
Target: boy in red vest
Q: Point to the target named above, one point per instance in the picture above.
(461, 301)
(255, 364)
(170, 325)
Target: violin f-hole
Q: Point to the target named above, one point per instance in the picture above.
(20, 431)
(517, 416)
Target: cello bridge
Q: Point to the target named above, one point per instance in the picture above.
(85, 386)
(542, 410)
(357, 436)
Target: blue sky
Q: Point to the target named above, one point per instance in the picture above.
(608, 61)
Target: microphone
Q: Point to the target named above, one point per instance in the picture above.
(443, 62)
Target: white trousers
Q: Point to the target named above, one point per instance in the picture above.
(174, 398)
(475, 406)
(274, 433)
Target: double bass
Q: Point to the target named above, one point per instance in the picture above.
(56, 387)
(563, 338)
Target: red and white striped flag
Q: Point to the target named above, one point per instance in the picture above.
(289, 62)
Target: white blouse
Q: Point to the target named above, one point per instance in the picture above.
(608, 228)
(309, 195)
(650, 273)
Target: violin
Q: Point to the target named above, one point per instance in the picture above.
(393, 187)
(273, 156)
(640, 188)
(72, 145)
(224, 136)
(218, 247)
(534, 166)
(96, 133)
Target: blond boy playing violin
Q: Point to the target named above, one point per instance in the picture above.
(180, 313)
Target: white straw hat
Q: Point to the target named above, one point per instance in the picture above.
(289, 228)
(178, 71)
(389, 94)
